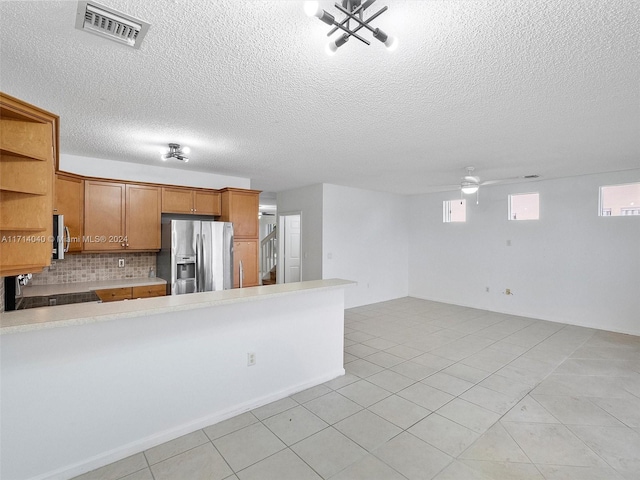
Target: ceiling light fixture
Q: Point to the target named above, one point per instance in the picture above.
(177, 152)
(354, 11)
(468, 188)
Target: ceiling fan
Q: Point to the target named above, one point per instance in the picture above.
(471, 183)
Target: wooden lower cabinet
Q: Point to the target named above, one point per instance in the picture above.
(128, 293)
(114, 294)
(147, 291)
(247, 252)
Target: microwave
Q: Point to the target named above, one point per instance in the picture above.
(61, 238)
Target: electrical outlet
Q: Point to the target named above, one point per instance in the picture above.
(486, 289)
(121, 262)
(507, 291)
(251, 359)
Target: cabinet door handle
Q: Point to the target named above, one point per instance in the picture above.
(122, 244)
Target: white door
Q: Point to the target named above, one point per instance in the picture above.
(291, 248)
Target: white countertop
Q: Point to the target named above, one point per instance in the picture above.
(79, 287)
(85, 313)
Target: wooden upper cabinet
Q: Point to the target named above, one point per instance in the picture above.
(104, 215)
(28, 150)
(190, 201)
(69, 201)
(177, 200)
(206, 203)
(142, 217)
(241, 207)
(121, 216)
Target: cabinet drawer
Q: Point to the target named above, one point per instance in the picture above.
(114, 294)
(146, 291)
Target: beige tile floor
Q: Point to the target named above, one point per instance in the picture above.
(433, 391)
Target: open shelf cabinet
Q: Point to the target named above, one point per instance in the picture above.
(28, 154)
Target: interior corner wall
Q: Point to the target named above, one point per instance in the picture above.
(118, 170)
(308, 202)
(365, 238)
(571, 266)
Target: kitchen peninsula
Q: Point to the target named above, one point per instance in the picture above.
(101, 381)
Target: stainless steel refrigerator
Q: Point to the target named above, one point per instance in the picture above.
(196, 256)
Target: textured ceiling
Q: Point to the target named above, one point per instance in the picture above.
(512, 87)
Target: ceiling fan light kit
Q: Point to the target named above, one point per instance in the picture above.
(469, 188)
(470, 183)
(354, 12)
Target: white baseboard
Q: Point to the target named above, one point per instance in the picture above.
(564, 321)
(158, 438)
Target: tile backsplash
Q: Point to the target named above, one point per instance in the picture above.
(90, 267)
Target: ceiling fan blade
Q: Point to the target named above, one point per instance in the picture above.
(501, 180)
(443, 188)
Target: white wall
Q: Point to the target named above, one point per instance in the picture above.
(365, 239)
(308, 202)
(117, 170)
(570, 266)
(78, 397)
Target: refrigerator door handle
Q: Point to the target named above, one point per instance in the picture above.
(203, 262)
(198, 260)
(241, 272)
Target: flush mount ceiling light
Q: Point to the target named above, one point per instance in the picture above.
(354, 11)
(177, 152)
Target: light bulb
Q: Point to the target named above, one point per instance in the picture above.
(311, 8)
(186, 150)
(391, 43)
(331, 49)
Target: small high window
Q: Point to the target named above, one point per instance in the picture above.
(524, 206)
(454, 211)
(620, 200)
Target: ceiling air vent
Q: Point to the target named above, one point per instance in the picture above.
(531, 176)
(106, 22)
